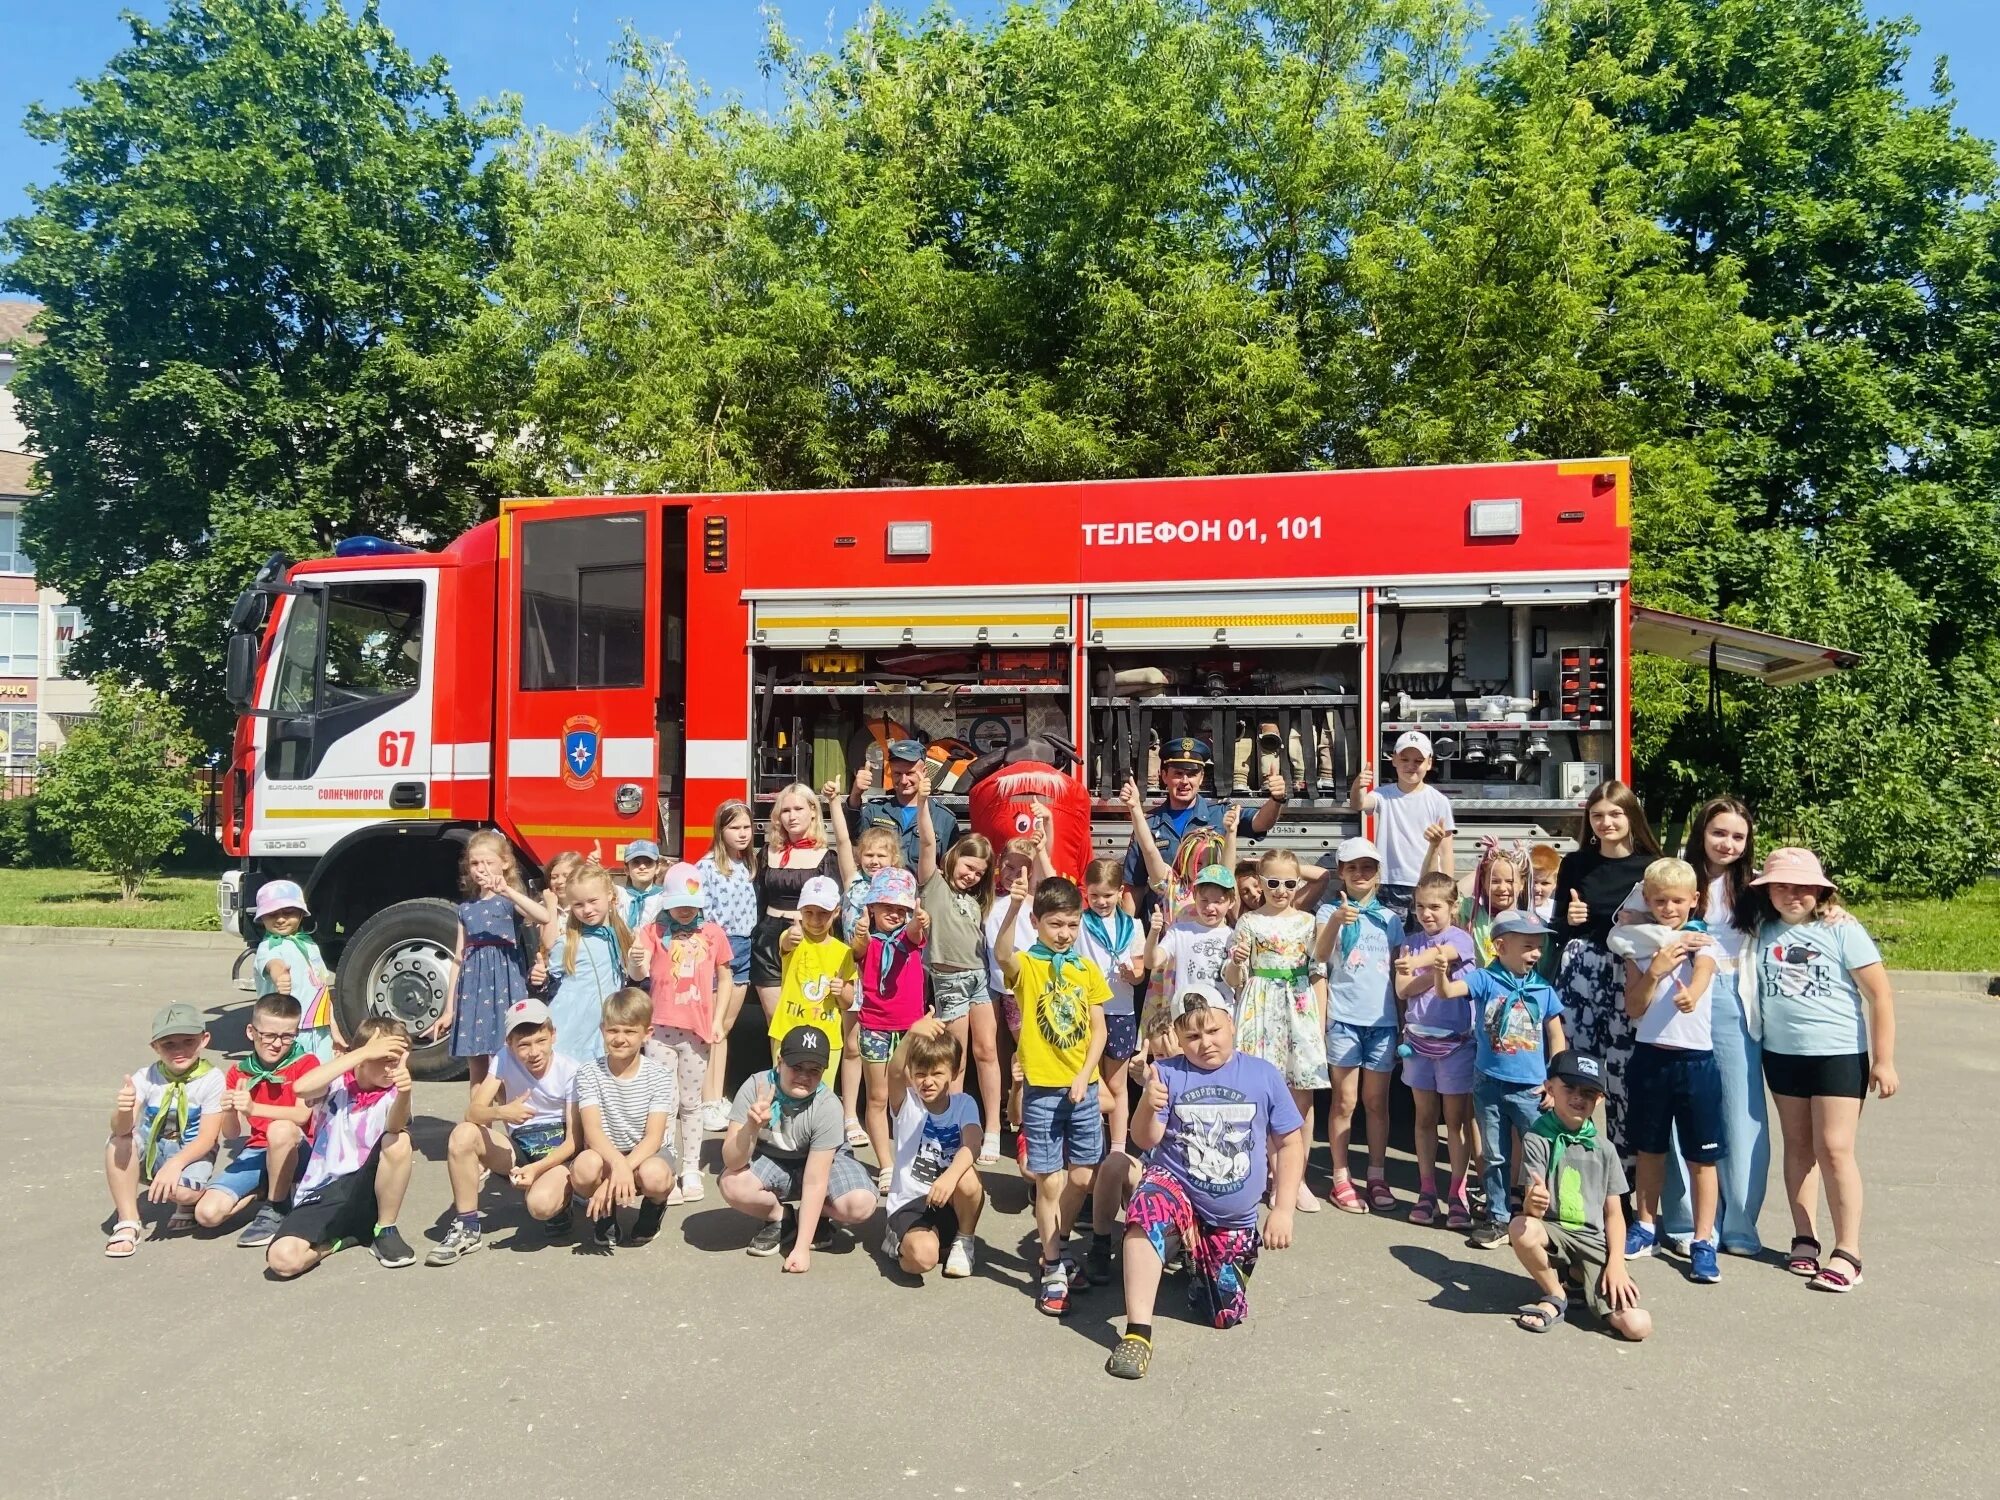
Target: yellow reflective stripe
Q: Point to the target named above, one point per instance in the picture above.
(552, 831)
(1168, 622)
(1620, 470)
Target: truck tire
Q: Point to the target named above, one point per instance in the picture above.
(398, 963)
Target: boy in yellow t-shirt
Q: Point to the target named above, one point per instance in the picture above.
(820, 972)
(1061, 994)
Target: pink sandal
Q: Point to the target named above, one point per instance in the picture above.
(1344, 1198)
(1379, 1197)
(1423, 1213)
(1830, 1280)
(1459, 1216)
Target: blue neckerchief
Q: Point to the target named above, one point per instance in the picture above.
(779, 1096)
(1372, 910)
(671, 925)
(1056, 960)
(887, 945)
(1517, 987)
(1115, 939)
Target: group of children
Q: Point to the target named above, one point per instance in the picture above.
(1164, 1066)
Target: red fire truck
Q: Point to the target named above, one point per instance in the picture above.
(583, 672)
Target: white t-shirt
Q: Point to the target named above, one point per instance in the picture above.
(203, 1095)
(1193, 954)
(1727, 942)
(1024, 939)
(926, 1143)
(1099, 953)
(1664, 1025)
(548, 1095)
(1400, 820)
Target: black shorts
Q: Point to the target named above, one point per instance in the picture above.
(918, 1213)
(1672, 1092)
(767, 965)
(343, 1209)
(1843, 1075)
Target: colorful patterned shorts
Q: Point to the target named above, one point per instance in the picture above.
(1219, 1260)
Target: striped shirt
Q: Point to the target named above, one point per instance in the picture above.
(626, 1102)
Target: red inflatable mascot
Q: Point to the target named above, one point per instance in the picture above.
(1005, 787)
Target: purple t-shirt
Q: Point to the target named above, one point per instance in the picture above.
(1430, 1014)
(1218, 1125)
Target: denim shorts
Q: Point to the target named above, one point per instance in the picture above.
(739, 958)
(955, 991)
(1060, 1132)
(1370, 1047)
(879, 1046)
(245, 1174)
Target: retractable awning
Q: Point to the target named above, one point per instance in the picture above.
(1775, 659)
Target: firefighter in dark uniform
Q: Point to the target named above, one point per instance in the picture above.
(1184, 763)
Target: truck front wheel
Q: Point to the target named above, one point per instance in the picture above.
(398, 964)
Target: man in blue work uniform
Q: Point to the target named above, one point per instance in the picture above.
(1183, 764)
(898, 810)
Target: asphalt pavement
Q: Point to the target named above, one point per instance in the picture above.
(1377, 1357)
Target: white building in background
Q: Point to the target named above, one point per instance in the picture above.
(38, 697)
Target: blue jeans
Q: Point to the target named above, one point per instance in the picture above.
(1503, 1108)
(1743, 1172)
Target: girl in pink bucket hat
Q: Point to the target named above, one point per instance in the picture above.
(1829, 1023)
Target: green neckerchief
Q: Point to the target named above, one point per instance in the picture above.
(307, 951)
(1565, 1193)
(779, 1097)
(1056, 960)
(176, 1100)
(252, 1067)
(1371, 910)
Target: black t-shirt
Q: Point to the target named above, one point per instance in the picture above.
(1603, 883)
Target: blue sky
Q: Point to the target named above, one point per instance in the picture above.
(548, 51)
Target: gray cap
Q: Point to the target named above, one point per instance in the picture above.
(1193, 998)
(1519, 923)
(178, 1019)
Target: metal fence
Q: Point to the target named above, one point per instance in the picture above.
(207, 781)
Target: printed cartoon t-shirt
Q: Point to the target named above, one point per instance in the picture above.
(1055, 1017)
(1805, 985)
(1218, 1124)
(809, 995)
(1509, 1017)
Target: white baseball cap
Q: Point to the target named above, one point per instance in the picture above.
(1413, 739)
(1357, 848)
(821, 894)
(682, 887)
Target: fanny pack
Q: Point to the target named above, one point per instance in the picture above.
(1434, 1046)
(537, 1138)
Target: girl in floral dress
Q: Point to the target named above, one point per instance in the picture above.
(494, 953)
(1281, 1007)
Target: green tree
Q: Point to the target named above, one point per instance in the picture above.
(267, 224)
(122, 785)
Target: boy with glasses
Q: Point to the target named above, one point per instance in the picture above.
(261, 1111)
(1570, 1233)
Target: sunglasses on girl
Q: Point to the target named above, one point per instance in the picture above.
(1281, 885)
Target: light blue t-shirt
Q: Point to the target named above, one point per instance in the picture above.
(1509, 1020)
(1805, 987)
(1361, 973)
(1218, 1128)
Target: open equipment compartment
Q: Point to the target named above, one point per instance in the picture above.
(1271, 678)
(833, 681)
(1514, 684)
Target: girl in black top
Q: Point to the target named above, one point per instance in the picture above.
(1591, 884)
(795, 849)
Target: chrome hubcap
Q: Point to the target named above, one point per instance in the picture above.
(410, 982)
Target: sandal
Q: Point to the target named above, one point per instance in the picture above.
(182, 1219)
(1344, 1198)
(1537, 1317)
(856, 1136)
(1379, 1197)
(1830, 1280)
(1424, 1212)
(124, 1241)
(989, 1156)
(1305, 1203)
(1459, 1215)
(1803, 1265)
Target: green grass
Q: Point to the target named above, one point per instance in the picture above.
(1961, 934)
(78, 898)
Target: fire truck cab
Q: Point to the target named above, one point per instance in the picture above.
(580, 673)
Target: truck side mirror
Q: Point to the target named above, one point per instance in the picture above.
(240, 674)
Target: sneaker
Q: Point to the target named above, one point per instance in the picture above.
(892, 1246)
(1640, 1241)
(262, 1228)
(1702, 1264)
(1130, 1358)
(647, 1223)
(392, 1250)
(1097, 1263)
(1677, 1244)
(559, 1226)
(822, 1233)
(769, 1233)
(1490, 1235)
(604, 1231)
(715, 1115)
(692, 1190)
(1053, 1298)
(959, 1262)
(458, 1242)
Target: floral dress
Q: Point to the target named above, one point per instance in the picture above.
(492, 975)
(581, 985)
(1277, 1017)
